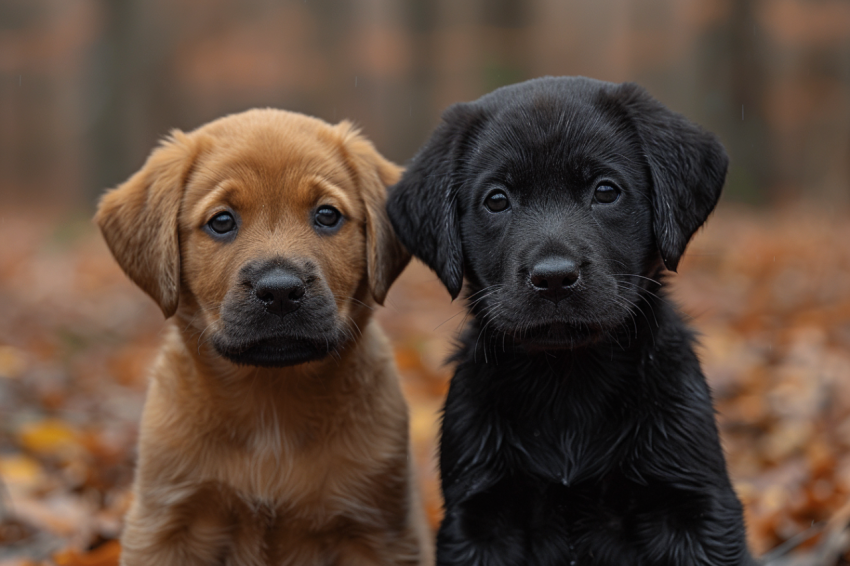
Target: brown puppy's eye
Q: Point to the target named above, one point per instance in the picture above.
(606, 194)
(328, 216)
(222, 223)
(497, 201)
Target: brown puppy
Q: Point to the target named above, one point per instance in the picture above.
(274, 430)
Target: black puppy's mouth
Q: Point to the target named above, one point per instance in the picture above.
(557, 336)
(275, 352)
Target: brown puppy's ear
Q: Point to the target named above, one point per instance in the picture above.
(386, 257)
(688, 168)
(138, 220)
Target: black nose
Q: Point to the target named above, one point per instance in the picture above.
(553, 275)
(280, 291)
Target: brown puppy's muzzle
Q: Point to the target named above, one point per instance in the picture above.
(280, 290)
(279, 312)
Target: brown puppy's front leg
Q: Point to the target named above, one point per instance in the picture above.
(405, 550)
(183, 535)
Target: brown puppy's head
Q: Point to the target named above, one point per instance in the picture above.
(264, 231)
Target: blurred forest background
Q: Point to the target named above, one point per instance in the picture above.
(87, 87)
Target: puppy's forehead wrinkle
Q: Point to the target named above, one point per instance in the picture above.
(222, 194)
(324, 189)
(568, 161)
(544, 120)
(249, 155)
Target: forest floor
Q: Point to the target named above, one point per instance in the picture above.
(769, 292)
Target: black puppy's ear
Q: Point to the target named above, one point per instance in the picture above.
(423, 205)
(688, 168)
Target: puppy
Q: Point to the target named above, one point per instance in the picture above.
(274, 430)
(578, 428)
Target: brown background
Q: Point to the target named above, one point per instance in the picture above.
(88, 86)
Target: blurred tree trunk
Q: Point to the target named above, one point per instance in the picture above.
(110, 88)
(422, 18)
(507, 58)
(731, 59)
(136, 99)
(749, 145)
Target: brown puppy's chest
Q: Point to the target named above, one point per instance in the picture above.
(278, 531)
(311, 472)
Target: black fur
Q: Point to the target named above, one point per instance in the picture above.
(578, 428)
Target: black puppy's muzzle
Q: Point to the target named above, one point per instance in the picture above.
(280, 290)
(553, 276)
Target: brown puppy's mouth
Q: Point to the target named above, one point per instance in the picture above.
(275, 352)
(280, 313)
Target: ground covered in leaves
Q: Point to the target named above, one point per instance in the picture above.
(769, 292)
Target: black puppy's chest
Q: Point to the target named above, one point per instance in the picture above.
(601, 521)
(559, 454)
(574, 449)
(560, 419)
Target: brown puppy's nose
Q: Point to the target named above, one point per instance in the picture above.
(552, 276)
(280, 291)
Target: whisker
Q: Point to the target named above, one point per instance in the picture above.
(451, 317)
(483, 290)
(359, 332)
(358, 301)
(639, 276)
(470, 305)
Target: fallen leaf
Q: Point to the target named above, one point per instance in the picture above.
(106, 554)
(12, 362)
(21, 472)
(49, 437)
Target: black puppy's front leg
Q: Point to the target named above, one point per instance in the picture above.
(693, 529)
(482, 531)
(486, 506)
(685, 510)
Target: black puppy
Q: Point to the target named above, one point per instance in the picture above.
(578, 428)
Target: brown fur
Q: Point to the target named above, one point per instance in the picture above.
(242, 465)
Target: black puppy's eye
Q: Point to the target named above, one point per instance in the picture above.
(606, 194)
(497, 201)
(222, 223)
(327, 216)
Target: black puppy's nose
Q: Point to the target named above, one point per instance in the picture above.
(281, 291)
(551, 276)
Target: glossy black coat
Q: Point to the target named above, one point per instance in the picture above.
(578, 429)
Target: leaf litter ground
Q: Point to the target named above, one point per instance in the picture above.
(769, 292)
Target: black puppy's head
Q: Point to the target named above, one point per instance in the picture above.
(556, 198)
